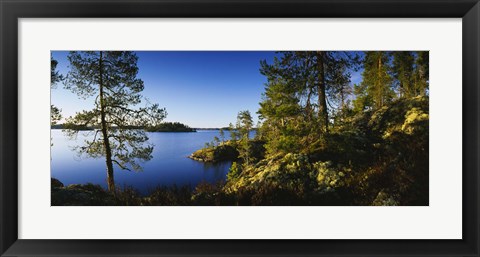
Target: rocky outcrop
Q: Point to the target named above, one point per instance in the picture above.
(224, 152)
(79, 195)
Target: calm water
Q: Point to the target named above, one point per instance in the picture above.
(168, 166)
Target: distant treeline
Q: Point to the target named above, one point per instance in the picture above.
(162, 127)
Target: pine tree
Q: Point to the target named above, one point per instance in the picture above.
(403, 64)
(377, 81)
(55, 78)
(111, 77)
(244, 127)
(280, 111)
(233, 134)
(363, 100)
(222, 135)
(422, 72)
(302, 90)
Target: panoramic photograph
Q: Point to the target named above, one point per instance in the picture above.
(239, 128)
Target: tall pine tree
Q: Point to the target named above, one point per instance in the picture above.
(403, 65)
(377, 81)
(111, 78)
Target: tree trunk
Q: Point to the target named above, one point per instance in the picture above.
(106, 143)
(308, 107)
(310, 89)
(380, 86)
(322, 102)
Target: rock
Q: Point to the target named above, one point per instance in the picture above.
(55, 183)
(79, 195)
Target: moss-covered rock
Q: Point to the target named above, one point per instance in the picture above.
(287, 171)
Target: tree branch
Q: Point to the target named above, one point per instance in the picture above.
(120, 165)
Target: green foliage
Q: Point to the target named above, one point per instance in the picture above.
(280, 110)
(403, 65)
(421, 73)
(363, 100)
(388, 76)
(294, 110)
(55, 115)
(222, 135)
(377, 81)
(234, 134)
(234, 172)
(244, 127)
(411, 72)
(210, 153)
(55, 77)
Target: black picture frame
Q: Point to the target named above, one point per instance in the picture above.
(11, 11)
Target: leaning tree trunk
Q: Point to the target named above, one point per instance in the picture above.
(106, 143)
(322, 102)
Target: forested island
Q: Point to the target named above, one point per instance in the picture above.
(162, 127)
(170, 127)
(320, 139)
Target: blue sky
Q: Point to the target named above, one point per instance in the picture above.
(202, 89)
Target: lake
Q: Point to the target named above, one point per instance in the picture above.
(169, 165)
